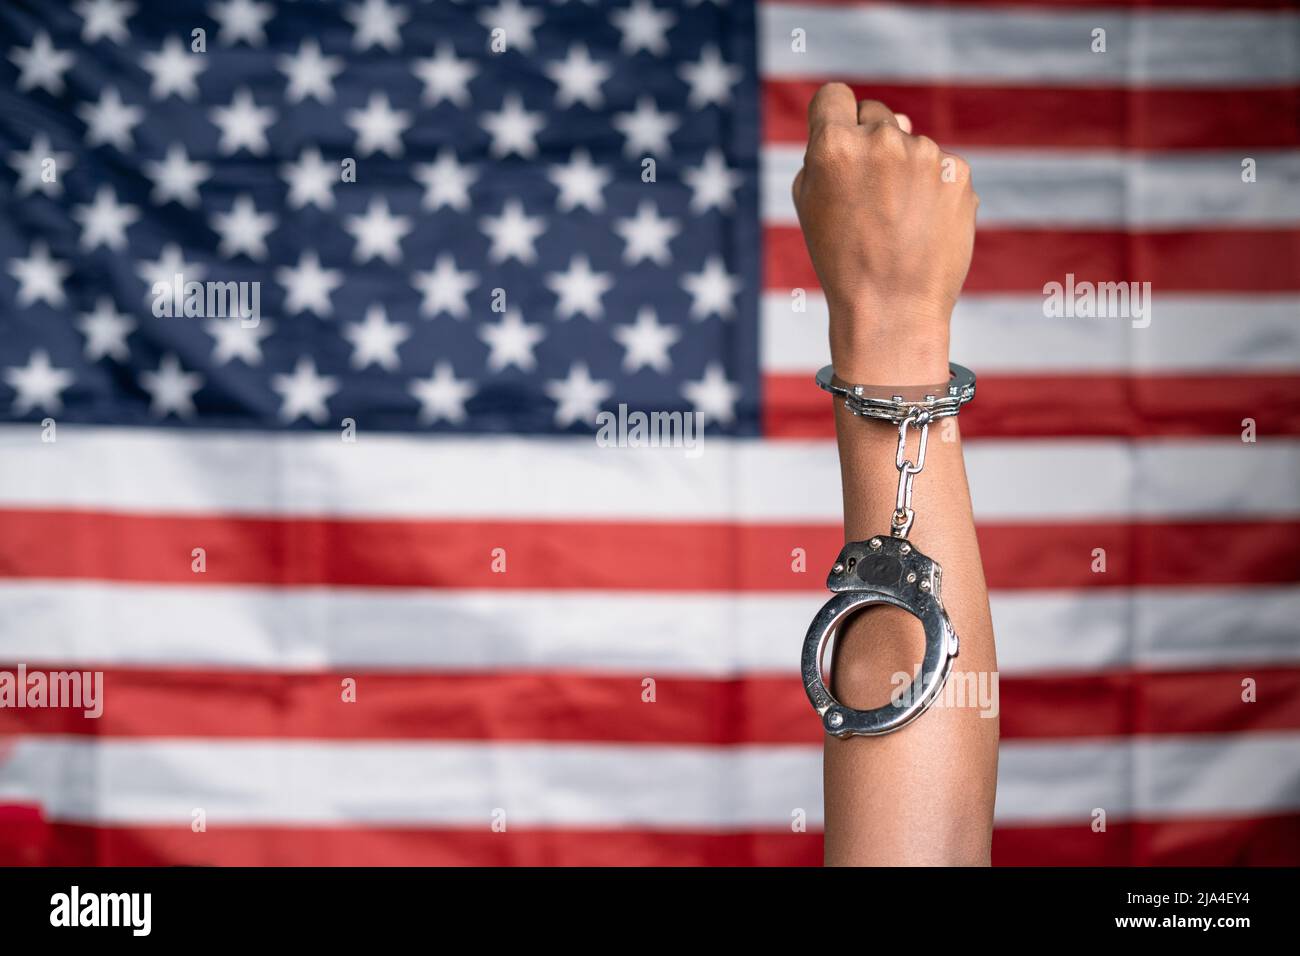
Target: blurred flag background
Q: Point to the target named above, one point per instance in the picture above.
(501, 594)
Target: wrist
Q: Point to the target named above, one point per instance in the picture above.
(890, 345)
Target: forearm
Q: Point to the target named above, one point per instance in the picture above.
(922, 795)
(889, 219)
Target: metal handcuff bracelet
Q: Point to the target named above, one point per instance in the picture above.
(887, 569)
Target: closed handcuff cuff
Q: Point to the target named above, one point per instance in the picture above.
(887, 569)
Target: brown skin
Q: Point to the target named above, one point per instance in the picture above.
(890, 228)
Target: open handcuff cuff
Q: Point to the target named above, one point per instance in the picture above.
(887, 569)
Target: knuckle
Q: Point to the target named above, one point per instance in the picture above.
(927, 147)
(872, 108)
(888, 140)
(832, 145)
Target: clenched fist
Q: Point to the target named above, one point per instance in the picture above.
(889, 219)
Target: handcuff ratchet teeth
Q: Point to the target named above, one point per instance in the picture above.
(887, 569)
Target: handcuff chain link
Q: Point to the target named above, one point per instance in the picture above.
(901, 522)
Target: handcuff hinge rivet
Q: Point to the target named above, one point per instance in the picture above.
(905, 549)
(835, 718)
(838, 569)
(911, 577)
(874, 543)
(925, 585)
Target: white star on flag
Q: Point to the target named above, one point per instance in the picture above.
(442, 395)
(580, 182)
(446, 182)
(445, 77)
(170, 263)
(305, 393)
(376, 340)
(445, 288)
(41, 65)
(713, 290)
(579, 289)
(110, 121)
(171, 389)
(176, 177)
(647, 235)
(379, 127)
(38, 384)
(308, 286)
(646, 342)
(646, 128)
(511, 342)
(710, 80)
(513, 129)
(578, 78)
(513, 234)
(236, 338)
(378, 233)
(104, 20)
(105, 221)
(578, 396)
(713, 184)
(241, 21)
(311, 180)
(243, 124)
(174, 70)
(713, 396)
(243, 229)
(106, 331)
(310, 73)
(31, 166)
(376, 23)
(40, 277)
(644, 27)
(515, 21)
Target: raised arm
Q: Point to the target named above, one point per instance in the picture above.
(889, 219)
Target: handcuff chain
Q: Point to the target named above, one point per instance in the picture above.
(901, 522)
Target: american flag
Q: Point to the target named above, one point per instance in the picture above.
(365, 589)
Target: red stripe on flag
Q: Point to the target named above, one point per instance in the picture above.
(574, 706)
(1243, 841)
(1078, 117)
(1199, 841)
(1075, 405)
(659, 556)
(1025, 260)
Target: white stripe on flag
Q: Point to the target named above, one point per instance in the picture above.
(564, 479)
(1057, 189)
(1009, 333)
(310, 629)
(161, 782)
(890, 41)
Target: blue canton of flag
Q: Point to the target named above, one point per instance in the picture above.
(554, 211)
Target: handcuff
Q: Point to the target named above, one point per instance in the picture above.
(887, 569)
